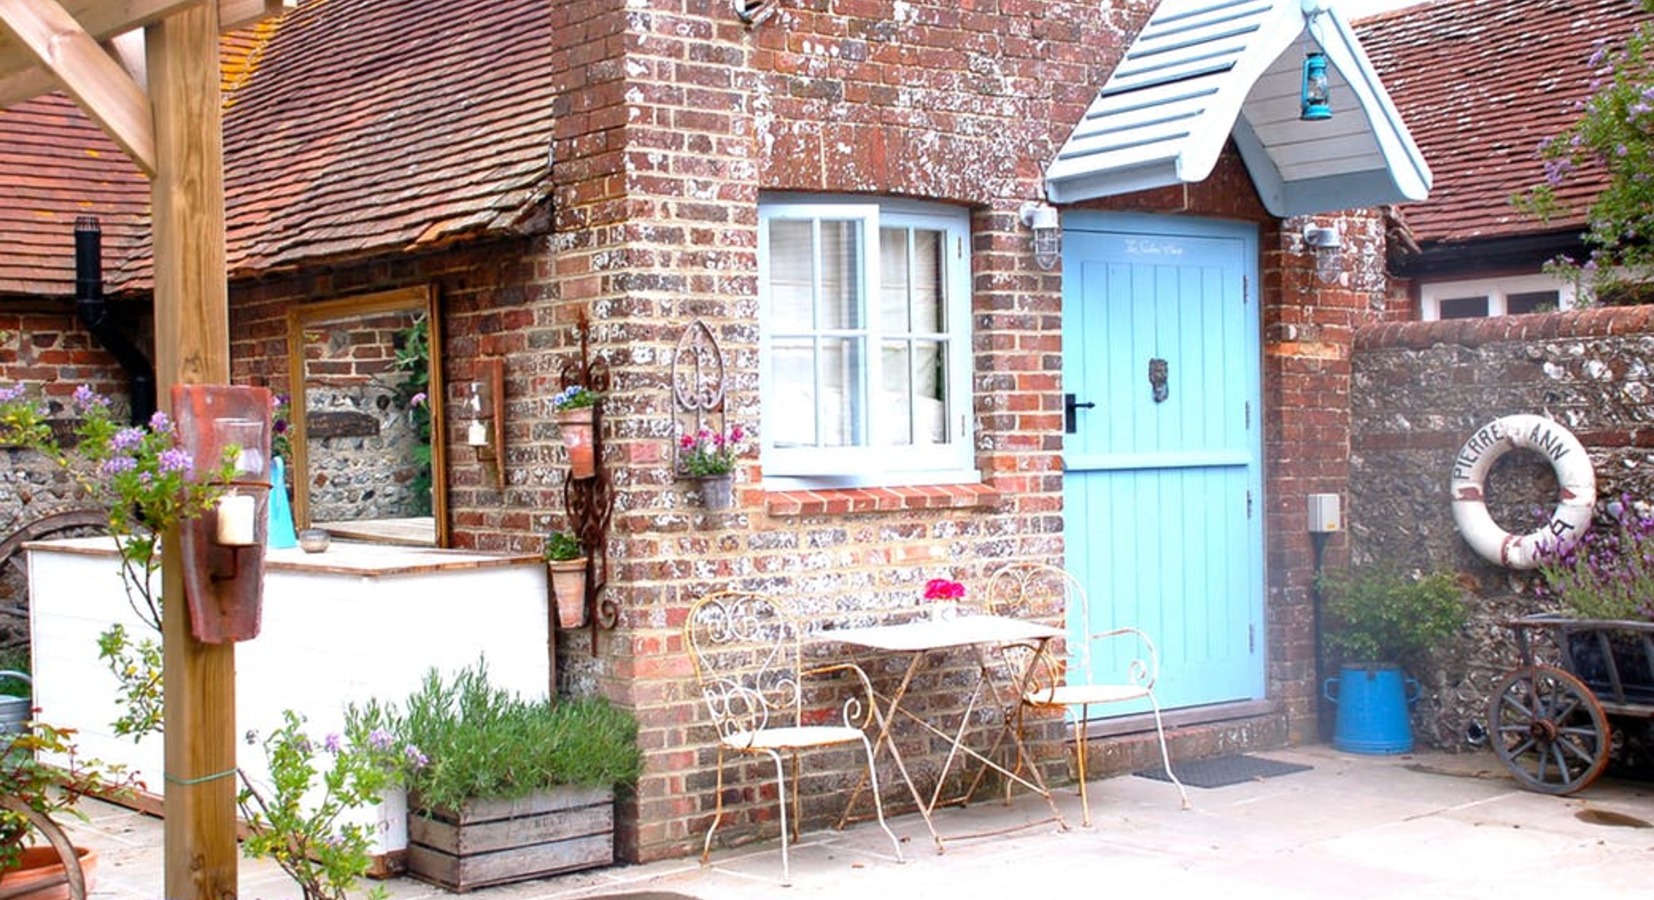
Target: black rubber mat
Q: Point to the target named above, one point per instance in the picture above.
(1222, 771)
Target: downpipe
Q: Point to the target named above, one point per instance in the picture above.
(93, 310)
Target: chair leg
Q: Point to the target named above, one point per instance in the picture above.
(781, 801)
(718, 808)
(1080, 747)
(878, 802)
(1165, 757)
(798, 810)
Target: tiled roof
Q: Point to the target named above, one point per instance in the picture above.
(1480, 83)
(375, 125)
(56, 165)
(354, 127)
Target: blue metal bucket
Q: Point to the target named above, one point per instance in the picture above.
(1372, 709)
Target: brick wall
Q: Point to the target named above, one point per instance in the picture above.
(43, 348)
(1420, 390)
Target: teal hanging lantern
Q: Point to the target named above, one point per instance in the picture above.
(1315, 99)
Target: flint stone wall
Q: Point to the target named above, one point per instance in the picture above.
(1419, 391)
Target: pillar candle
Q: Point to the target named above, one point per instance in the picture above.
(235, 520)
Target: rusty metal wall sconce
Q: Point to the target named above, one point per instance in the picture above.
(484, 415)
(589, 502)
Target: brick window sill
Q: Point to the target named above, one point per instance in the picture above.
(841, 501)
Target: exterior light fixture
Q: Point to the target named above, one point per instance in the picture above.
(1315, 98)
(1329, 251)
(1042, 218)
(752, 12)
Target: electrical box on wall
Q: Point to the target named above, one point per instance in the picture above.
(1324, 514)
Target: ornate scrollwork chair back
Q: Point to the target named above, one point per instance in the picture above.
(1067, 679)
(747, 653)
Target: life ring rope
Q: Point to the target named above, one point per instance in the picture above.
(1576, 487)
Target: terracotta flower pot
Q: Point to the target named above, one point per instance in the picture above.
(41, 876)
(577, 427)
(568, 589)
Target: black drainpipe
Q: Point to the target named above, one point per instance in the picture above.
(94, 314)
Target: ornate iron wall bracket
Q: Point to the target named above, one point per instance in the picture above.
(589, 502)
(697, 386)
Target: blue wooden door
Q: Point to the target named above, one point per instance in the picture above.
(1162, 490)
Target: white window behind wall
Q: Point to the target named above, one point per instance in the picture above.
(866, 343)
(1482, 297)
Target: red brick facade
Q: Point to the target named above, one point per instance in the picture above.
(671, 118)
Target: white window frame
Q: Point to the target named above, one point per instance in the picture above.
(874, 463)
(1496, 290)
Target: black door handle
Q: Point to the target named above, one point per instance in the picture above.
(1069, 405)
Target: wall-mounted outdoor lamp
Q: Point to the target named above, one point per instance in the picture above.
(1315, 97)
(752, 12)
(482, 414)
(1043, 220)
(1329, 255)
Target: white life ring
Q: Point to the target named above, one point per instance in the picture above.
(1576, 483)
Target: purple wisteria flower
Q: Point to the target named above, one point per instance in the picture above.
(176, 460)
(126, 440)
(416, 757)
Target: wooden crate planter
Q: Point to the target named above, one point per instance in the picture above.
(489, 842)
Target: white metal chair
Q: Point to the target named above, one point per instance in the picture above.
(746, 652)
(1068, 683)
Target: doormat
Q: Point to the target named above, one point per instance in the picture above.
(1222, 771)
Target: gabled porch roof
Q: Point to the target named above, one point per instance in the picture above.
(1202, 71)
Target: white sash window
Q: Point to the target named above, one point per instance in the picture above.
(866, 343)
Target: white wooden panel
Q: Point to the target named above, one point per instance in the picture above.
(328, 639)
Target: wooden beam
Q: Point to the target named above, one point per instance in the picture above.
(192, 345)
(103, 19)
(89, 75)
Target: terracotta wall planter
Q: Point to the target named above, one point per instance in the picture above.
(488, 842)
(568, 588)
(576, 428)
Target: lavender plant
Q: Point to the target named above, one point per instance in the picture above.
(1609, 572)
(325, 855)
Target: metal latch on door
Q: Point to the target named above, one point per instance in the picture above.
(1069, 405)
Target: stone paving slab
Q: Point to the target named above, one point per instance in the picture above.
(1449, 826)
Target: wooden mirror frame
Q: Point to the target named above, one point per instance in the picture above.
(304, 317)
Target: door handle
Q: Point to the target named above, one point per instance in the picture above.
(1069, 406)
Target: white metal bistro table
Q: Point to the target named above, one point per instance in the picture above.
(917, 639)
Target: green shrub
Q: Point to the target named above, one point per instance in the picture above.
(484, 742)
(1380, 615)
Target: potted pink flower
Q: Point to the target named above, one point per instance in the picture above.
(709, 457)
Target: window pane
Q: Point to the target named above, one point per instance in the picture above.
(840, 298)
(930, 392)
(1464, 308)
(843, 373)
(927, 292)
(895, 403)
(893, 279)
(792, 280)
(792, 420)
(1532, 302)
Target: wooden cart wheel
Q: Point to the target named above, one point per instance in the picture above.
(1549, 730)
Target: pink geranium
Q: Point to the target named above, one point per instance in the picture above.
(943, 589)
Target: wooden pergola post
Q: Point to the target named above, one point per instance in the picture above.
(175, 135)
(192, 347)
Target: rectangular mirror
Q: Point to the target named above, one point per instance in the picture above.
(367, 427)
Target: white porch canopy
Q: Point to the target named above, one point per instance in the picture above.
(1202, 71)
